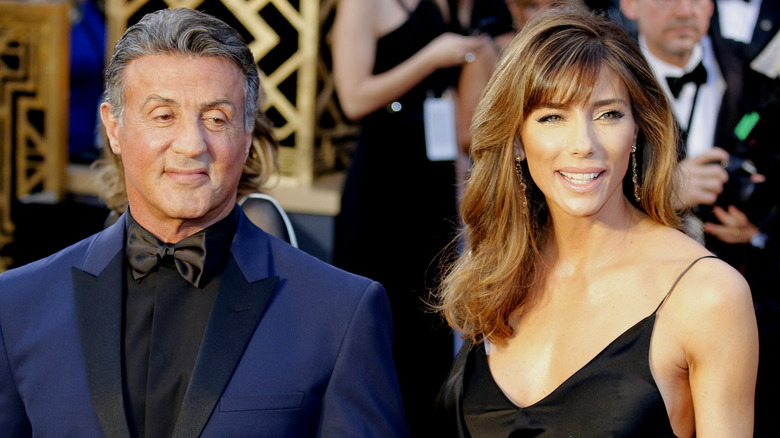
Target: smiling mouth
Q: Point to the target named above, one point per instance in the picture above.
(579, 178)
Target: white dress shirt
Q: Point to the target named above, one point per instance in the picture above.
(738, 18)
(699, 120)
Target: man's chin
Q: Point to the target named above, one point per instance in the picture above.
(682, 47)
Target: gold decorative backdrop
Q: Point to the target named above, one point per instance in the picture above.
(34, 80)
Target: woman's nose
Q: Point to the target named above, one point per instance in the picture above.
(583, 138)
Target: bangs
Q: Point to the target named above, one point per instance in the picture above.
(564, 75)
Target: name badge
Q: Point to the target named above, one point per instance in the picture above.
(441, 142)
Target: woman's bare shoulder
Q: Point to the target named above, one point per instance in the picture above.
(674, 243)
(706, 336)
(703, 278)
(709, 299)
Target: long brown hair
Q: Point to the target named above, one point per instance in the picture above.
(556, 57)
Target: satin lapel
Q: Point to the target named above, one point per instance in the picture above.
(99, 311)
(237, 310)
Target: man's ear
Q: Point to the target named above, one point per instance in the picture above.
(112, 127)
(248, 145)
(628, 8)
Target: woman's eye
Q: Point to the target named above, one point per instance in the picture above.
(551, 118)
(612, 115)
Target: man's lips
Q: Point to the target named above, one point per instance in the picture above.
(185, 176)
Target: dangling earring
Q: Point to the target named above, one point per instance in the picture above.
(519, 171)
(634, 175)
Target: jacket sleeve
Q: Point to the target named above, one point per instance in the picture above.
(13, 419)
(363, 398)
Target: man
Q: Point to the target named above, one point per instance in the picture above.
(673, 38)
(220, 330)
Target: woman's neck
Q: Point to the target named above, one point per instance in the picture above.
(574, 243)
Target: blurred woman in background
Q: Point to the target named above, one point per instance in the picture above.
(398, 210)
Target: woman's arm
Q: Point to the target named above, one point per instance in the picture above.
(721, 344)
(354, 53)
(473, 78)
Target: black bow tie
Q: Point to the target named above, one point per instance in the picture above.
(145, 251)
(697, 76)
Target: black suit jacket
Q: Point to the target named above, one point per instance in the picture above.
(293, 347)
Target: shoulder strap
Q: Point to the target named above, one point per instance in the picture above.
(679, 278)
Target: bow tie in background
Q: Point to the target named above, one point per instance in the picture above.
(145, 251)
(697, 76)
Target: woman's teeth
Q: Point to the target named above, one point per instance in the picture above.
(579, 178)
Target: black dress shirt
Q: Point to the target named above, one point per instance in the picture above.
(165, 318)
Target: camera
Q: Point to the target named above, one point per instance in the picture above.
(757, 152)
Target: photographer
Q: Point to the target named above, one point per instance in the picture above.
(747, 229)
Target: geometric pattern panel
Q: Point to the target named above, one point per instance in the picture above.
(283, 36)
(34, 81)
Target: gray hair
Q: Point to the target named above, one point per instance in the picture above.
(181, 32)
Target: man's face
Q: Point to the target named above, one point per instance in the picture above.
(671, 27)
(182, 137)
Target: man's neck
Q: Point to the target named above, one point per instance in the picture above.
(680, 60)
(173, 230)
(686, 63)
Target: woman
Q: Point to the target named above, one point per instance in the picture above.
(398, 205)
(587, 312)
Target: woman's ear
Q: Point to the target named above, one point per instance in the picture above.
(518, 149)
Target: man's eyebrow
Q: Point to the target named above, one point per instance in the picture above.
(217, 103)
(156, 98)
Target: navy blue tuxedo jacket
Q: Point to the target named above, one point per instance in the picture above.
(293, 347)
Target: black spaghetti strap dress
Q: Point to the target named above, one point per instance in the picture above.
(613, 395)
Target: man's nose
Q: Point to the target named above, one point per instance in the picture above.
(685, 7)
(190, 139)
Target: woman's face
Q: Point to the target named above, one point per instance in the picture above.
(578, 155)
